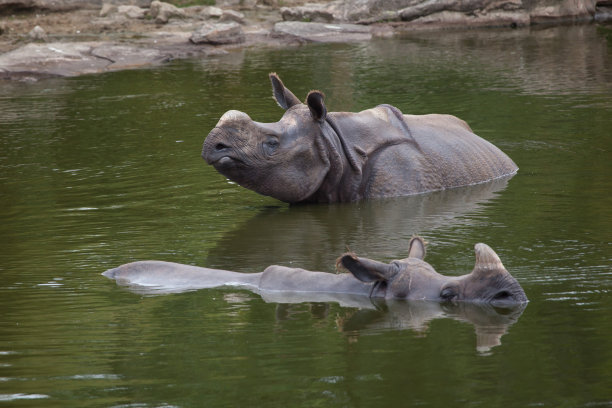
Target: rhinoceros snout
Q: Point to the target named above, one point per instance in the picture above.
(219, 148)
(215, 146)
(219, 142)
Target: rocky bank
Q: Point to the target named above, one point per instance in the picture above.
(42, 38)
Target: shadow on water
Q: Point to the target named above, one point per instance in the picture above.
(312, 237)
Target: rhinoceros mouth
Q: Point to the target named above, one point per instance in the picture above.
(216, 158)
(227, 163)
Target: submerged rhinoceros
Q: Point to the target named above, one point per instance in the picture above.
(411, 278)
(311, 155)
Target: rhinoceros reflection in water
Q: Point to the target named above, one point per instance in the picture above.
(411, 278)
(490, 323)
(297, 233)
(376, 315)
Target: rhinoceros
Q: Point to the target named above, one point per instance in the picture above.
(411, 278)
(312, 155)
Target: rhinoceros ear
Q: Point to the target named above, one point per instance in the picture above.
(416, 248)
(366, 270)
(284, 97)
(315, 103)
(487, 262)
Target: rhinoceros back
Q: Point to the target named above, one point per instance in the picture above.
(439, 152)
(281, 278)
(455, 156)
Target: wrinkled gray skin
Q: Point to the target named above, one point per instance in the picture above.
(411, 278)
(311, 155)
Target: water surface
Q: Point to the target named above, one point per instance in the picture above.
(97, 171)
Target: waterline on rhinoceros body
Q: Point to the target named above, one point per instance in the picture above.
(312, 155)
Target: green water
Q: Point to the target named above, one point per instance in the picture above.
(97, 171)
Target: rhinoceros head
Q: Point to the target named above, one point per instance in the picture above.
(287, 160)
(413, 278)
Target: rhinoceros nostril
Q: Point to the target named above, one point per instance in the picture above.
(220, 147)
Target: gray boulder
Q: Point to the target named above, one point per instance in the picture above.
(211, 12)
(203, 12)
(446, 12)
(310, 12)
(603, 12)
(320, 32)
(232, 15)
(162, 12)
(37, 34)
(132, 12)
(139, 3)
(236, 3)
(545, 11)
(72, 59)
(467, 7)
(217, 34)
(8, 6)
(108, 9)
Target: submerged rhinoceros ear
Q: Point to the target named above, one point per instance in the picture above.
(416, 248)
(366, 270)
(284, 97)
(315, 103)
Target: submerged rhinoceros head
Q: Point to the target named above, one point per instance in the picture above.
(287, 160)
(413, 278)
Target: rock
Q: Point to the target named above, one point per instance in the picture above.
(459, 19)
(126, 57)
(138, 3)
(219, 33)
(162, 12)
(131, 12)
(320, 32)
(211, 12)
(425, 8)
(107, 9)
(194, 12)
(53, 59)
(310, 12)
(37, 34)
(603, 12)
(565, 10)
(362, 11)
(72, 59)
(231, 15)
(442, 12)
(236, 3)
(9, 6)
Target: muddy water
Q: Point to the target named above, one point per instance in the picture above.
(101, 170)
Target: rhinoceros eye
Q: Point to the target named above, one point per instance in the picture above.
(448, 293)
(270, 145)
